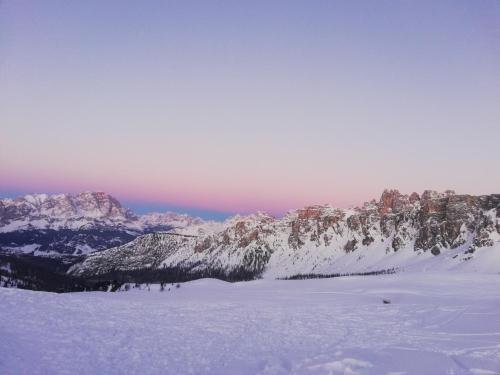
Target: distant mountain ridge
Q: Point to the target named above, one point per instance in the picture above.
(431, 230)
(64, 211)
(67, 224)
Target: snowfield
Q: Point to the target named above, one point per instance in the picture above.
(436, 323)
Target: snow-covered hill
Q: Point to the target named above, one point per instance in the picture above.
(446, 323)
(65, 224)
(431, 231)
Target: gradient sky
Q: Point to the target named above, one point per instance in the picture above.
(236, 106)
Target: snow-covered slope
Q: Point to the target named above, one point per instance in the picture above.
(42, 224)
(445, 323)
(435, 230)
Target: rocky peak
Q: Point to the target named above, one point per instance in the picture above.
(175, 220)
(99, 204)
(393, 201)
(240, 226)
(250, 220)
(433, 194)
(414, 197)
(312, 212)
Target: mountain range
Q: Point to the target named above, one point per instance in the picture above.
(72, 225)
(98, 239)
(398, 231)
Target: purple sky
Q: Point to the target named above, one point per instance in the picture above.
(241, 106)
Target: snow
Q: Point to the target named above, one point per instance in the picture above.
(83, 249)
(322, 260)
(201, 229)
(26, 249)
(36, 199)
(5, 267)
(15, 225)
(436, 323)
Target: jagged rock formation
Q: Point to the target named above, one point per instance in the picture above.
(396, 231)
(64, 224)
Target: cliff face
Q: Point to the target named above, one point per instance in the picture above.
(395, 231)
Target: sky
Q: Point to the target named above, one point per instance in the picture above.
(216, 107)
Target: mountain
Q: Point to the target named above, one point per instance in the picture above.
(72, 225)
(64, 211)
(428, 231)
(168, 220)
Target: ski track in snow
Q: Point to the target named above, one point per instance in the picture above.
(445, 323)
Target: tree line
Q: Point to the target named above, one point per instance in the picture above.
(331, 275)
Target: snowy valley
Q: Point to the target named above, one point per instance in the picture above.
(435, 323)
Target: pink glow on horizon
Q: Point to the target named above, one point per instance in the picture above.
(237, 201)
(246, 197)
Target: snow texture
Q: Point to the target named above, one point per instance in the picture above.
(435, 323)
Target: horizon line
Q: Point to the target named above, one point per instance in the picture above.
(145, 206)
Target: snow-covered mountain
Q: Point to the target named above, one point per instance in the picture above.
(64, 211)
(42, 224)
(434, 230)
(155, 221)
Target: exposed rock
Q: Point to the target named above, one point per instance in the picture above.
(350, 245)
(414, 197)
(435, 250)
(367, 241)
